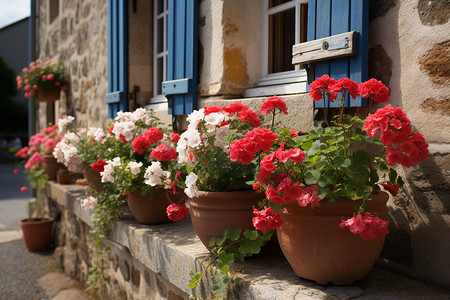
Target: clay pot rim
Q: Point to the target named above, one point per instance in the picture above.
(43, 220)
(215, 193)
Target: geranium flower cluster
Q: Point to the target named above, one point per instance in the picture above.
(326, 86)
(403, 146)
(308, 169)
(204, 146)
(41, 143)
(49, 76)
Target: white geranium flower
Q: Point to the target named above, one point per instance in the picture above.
(125, 128)
(89, 202)
(63, 122)
(115, 162)
(221, 134)
(195, 118)
(108, 172)
(134, 167)
(191, 189)
(214, 119)
(154, 174)
(192, 137)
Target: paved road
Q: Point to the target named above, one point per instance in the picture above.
(13, 202)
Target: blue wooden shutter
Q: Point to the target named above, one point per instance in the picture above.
(331, 17)
(117, 57)
(182, 29)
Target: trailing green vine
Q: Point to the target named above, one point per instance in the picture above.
(231, 248)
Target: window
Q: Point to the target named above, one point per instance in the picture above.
(160, 52)
(284, 24)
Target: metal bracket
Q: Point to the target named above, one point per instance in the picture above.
(336, 44)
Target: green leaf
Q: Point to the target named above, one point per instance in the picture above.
(315, 147)
(196, 277)
(232, 234)
(312, 176)
(400, 181)
(251, 234)
(212, 242)
(392, 175)
(361, 157)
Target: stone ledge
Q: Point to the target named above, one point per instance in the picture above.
(173, 249)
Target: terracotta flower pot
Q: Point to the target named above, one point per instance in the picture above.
(48, 96)
(149, 210)
(37, 235)
(93, 178)
(63, 178)
(51, 166)
(318, 249)
(214, 212)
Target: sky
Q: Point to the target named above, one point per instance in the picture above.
(13, 10)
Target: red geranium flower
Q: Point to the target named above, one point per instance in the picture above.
(391, 188)
(174, 137)
(266, 219)
(374, 89)
(273, 103)
(177, 212)
(162, 153)
(320, 86)
(367, 226)
(345, 85)
(154, 135)
(99, 166)
(140, 144)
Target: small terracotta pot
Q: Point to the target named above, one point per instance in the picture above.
(214, 212)
(93, 178)
(48, 96)
(51, 166)
(63, 178)
(318, 249)
(149, 210)
(37, 233)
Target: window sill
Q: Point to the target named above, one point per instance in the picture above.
(282, 89)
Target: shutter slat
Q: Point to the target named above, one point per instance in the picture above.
(182, 57)
(340, 23)
(359, 18)
(323, 29)
(117, 57)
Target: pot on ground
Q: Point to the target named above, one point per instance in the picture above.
(37, 233)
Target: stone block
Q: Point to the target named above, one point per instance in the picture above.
(135, 276)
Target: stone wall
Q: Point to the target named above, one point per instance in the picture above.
(75, 253)
(409, 52)
(78, 35)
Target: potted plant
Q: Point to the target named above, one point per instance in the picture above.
(43, 82)
(320, 184)
(37, 231)
(142, 166)
(63, 176)
(218, 190)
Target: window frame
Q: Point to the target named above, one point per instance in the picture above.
(287, 82)
(159, 98)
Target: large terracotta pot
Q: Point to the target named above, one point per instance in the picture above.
(214, 212)
(149, 210)
(51, 166)
(48, 96)
(318, 249)
(37, 233)
(93, 177)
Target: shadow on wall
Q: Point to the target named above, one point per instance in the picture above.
(419, 227)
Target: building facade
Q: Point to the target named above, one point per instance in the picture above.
(175, 56)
